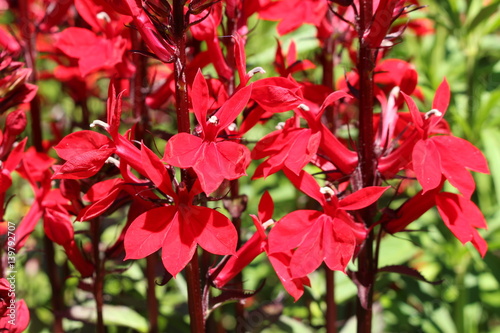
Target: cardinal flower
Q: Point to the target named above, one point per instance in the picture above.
(177, 228)
(212, 158)
(330, 236)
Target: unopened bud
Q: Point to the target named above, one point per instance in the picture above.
(15, 122)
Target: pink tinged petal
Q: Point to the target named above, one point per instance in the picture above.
(150, 230)
(311, 252)
(266, 207)
(232, 108)
(213, 231)
(245, 255)
(199, 98)
(58, 227)
(462, 216)
(462, 152)
(294, 286)
(307, 184)
(339, 244)
(362, 198)
(183, 150)
(179, 246)
(427, 164)
(292, 230)
(156, 171)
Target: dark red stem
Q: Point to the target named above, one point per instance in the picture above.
(28, 34)
(98, 275)
(179, 25)
(56, 286)
(151, 262)
(367, 165)
(331, 305)
(138, 85)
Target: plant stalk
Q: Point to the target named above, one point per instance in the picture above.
(98, 275)
(366, 168)
(55, 284)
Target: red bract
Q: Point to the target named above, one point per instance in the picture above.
(212, 158)
(330, 236)
(177, 228)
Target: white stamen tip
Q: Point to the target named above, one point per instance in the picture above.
(280, 125)
(104, 16)
(304, 107)
(101, 123)
(327, 190)
(433, 112)
(395, 91)
(255, 71)
(114, 161)
(268, 223)
(232, 127)
(213, 120)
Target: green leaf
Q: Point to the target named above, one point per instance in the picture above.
(483, 15)
(114, 315)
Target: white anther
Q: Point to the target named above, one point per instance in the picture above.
(268, 223)
(327, 190)
(101, 123)
(303, 107)
(255, 71)
(213, 120)
(232, 127)
(114, 161)
(395, 91)
(433, 112)
(104, 16)
(280, 125)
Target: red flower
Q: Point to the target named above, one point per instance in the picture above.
(212, 158)
(177, 228)
(330, 236)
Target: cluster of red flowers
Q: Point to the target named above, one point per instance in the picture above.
(111, 166)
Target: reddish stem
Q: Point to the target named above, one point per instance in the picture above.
(367, 165)
(55, 284)
(331, 306)
(138, 84)
(151, 262)
(98, 275)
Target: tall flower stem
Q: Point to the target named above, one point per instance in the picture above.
(179, 26)
(98, 275)
(366, 168)
(55, 284)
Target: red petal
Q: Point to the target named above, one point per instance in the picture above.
(276, 94)
(311, 252)
(362, 198)
(179, 246)
(199, 98)
(461, 216)
(427, 164)
(292, 230)
(462, 152)
(415, 113)
(84, 165)
(156, 171)
(266, 207)
(339, 244)
(213, 231)
(183, 150)
(442, 97)
(75, 144)
(281, 263)
(232, 107)
(76, 42)
(307, 184)
(58, 226)
(150, 230)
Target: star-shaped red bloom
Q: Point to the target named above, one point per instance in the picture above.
(177, 228)
(212, 158)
